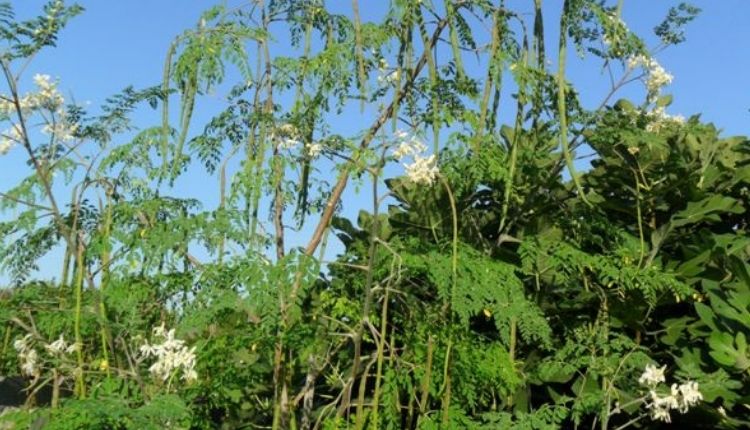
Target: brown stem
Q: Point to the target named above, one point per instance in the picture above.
(41, 172)
(338, 189)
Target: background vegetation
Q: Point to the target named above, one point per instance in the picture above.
(490, 284)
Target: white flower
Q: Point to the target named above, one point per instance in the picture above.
(286, 136)
(423, 170)
(652, 375)
(681, 397)
(403, 150)
(314, 149)
(401, 135)
(171, 356)
(10, 138)
(60, 347)
(48, 94)
(408, 145)
(660, 414)
(634, 62)
(30, 365)
(660, 406)
(42, 81)
(690, 395)
(5, 146)
(660, 119)
(385, 75)
(61, 130)
(656, 77)
(6, 105)
(27, 355)
(22, 344)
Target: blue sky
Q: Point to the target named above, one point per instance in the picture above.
(118, 43)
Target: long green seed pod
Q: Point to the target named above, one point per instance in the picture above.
(362, 79)
(451, 16)
(433, 74)
(561, 107)
(491, 71)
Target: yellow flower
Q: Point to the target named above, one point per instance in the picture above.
(104, 365)
(487, 313)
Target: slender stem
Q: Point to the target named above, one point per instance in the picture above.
(55, 389)
(425, 389)
(105, 257)
(367, 302)
(223, 198)
(447, 386)
(343, 179)
(80, 267)
(42, 173)
(454, 242)
(631, 422)
(512, 351)
(639, 215)
(24, 202)
(380, 359)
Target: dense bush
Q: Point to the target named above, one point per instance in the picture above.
(489, 286)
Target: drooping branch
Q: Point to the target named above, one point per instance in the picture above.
(341, 183)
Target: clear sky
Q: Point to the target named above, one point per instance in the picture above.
(118, 43)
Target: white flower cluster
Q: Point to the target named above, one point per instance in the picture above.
(31, 365)
(61, 130)
(46, 97)
(423, 169)
(652, 375)
(10, 138)
(60, 347)
(656, 76)
(313, 149)
(681, 397)
(287, 137)
(171, 356)
(28, 356)
(659, 118)
(386, 76)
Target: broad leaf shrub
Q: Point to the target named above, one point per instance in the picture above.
(487, 281)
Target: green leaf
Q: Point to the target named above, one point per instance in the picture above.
(706, 315)
(706, 209)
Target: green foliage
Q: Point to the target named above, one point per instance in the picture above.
(496, 293)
